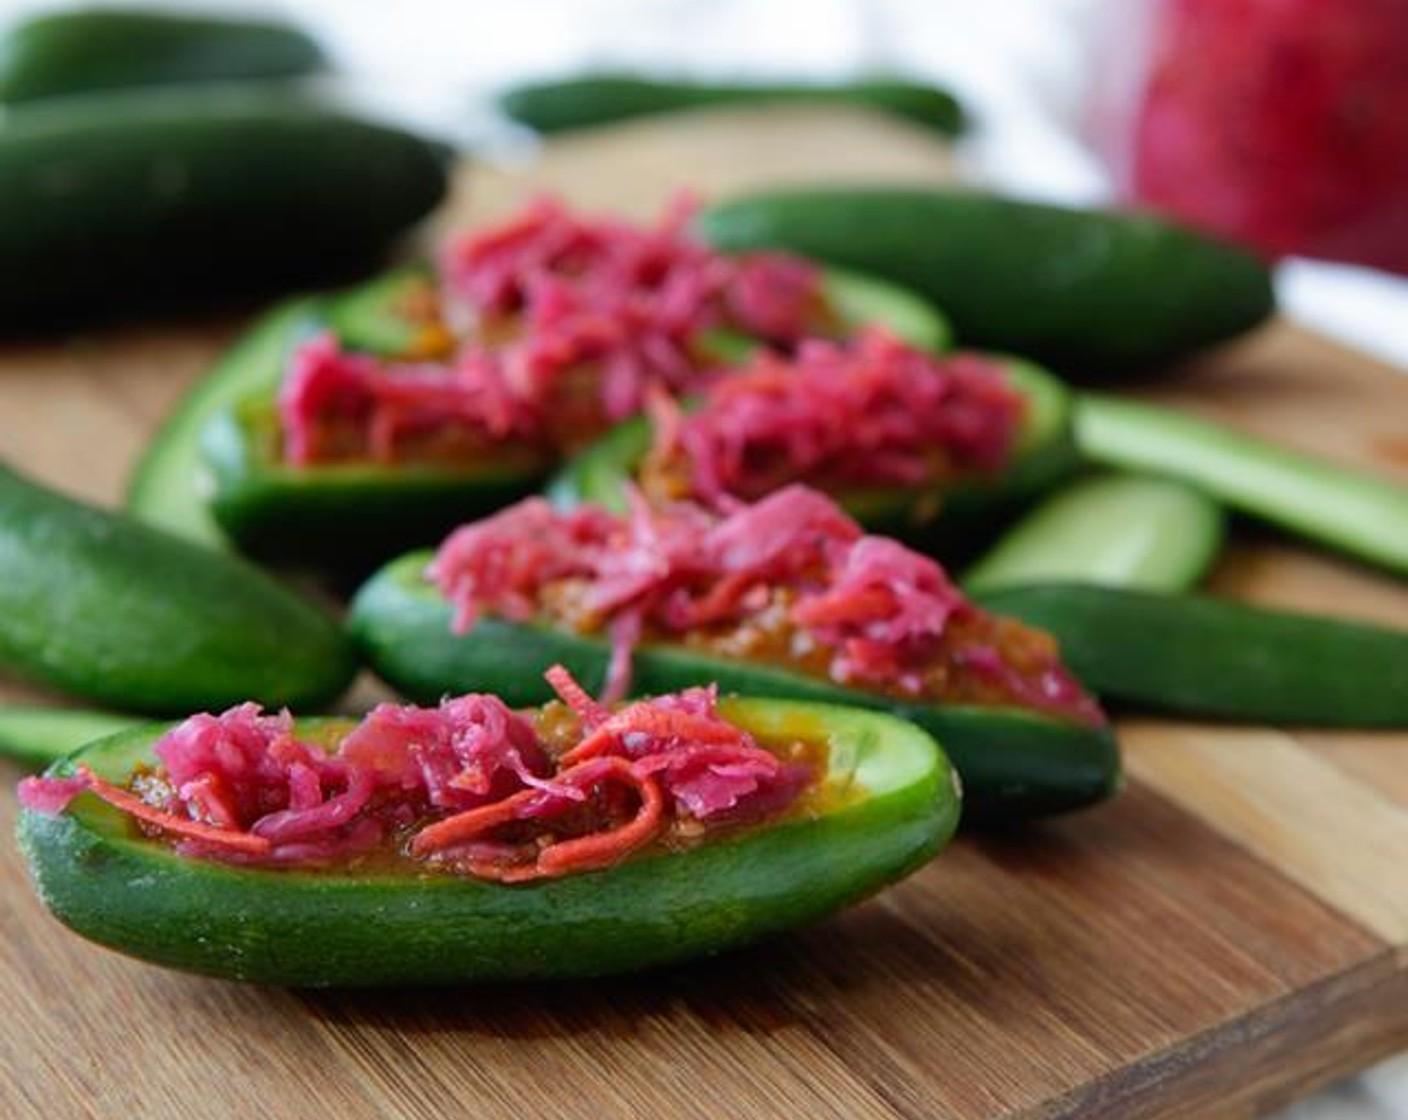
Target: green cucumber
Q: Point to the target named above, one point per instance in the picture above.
(1335, 506)
(108, 883)
(1113, 530)
(86, 49)
(1013, 763)
(1201, 656)
(1044, 454)
(596, 99)
(139, 200)
(37, 736)
(345, 516)
(133, 617)
(1088, 293)
(170, 487)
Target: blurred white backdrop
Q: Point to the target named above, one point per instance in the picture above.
(1022, 65)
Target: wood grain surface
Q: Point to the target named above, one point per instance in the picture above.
(1230, 932)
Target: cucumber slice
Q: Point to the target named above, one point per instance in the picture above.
(1336, 506)
(1113, 530)
(1014, 763)
(38, 736)
(1201, 656)
(365, 926)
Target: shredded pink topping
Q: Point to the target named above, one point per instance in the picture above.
(597, 312)
(873, 412)
(339, 405)
(884, 612)
(240, 787)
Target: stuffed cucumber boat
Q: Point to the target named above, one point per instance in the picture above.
(529, 339)
(785, 597)
(471, 842)
(913, 445)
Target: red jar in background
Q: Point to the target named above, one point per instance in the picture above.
(1279, 123)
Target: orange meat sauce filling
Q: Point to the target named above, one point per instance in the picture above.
(577, 787)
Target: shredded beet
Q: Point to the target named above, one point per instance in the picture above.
(470, 785)
(872, 412)
(568, 325)
(336, 405)
(790, 578)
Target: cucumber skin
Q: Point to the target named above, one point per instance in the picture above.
(144, 200)
(1200, 656)
(1090, 294)
(37, 737)
(78, 51)
(168, 488)
(597, 99)
(1151, 535)
(1335, 506)
(319, 930)
(107, 608)
(346, 520)
(1014, 765)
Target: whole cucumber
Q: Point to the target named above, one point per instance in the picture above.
(1201, 656)
(595, 99)
(138, 198)
(1090, 293)
(77, 51)
(103, 607)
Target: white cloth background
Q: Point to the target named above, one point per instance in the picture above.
(1021, 64)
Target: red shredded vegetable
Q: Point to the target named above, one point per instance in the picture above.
(568, 324)
(792, 568)
(872, 412)
(470, 785)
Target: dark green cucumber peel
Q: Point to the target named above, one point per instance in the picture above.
(1200, 656)
(1335, 506)
(146, 199)
(1013, 763)
(1088, 293)
(1045, 453)
(170, 486)
(78, 51)
(348, 516)
(1113, 530)
(129, 616)
(325, 928)
(597, 99)
(38, 737)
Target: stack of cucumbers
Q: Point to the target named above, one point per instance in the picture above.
(1109, 516)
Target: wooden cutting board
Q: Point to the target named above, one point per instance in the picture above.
(1230, 932)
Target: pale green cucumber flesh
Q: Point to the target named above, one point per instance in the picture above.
(1114, 530)
(1336, 506)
